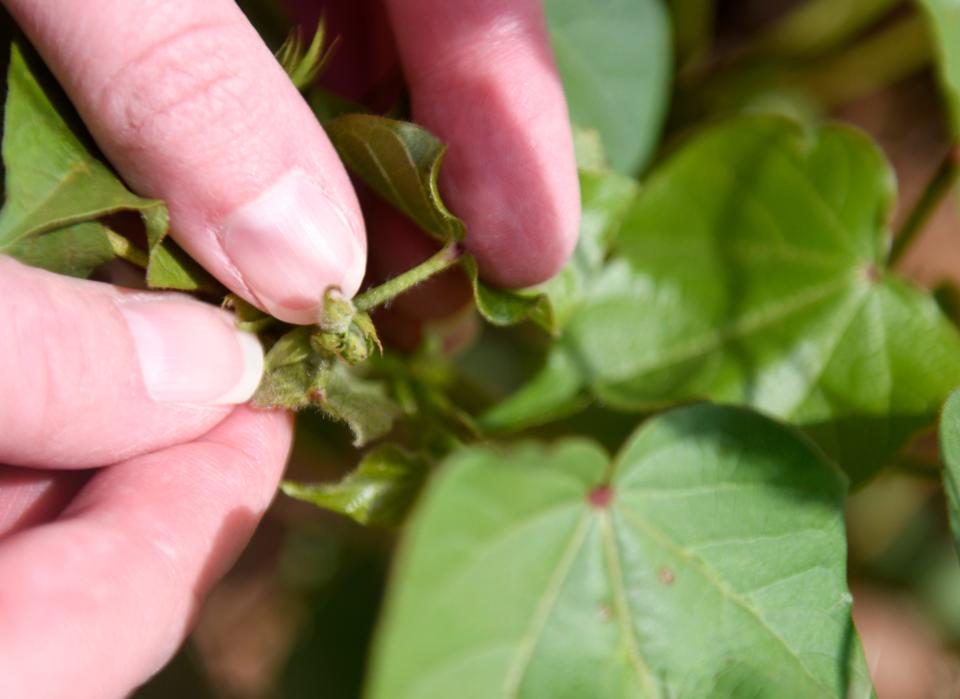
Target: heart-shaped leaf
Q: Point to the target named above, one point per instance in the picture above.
(605, 197)
(615, 61)
(707, 561)
(751, 270)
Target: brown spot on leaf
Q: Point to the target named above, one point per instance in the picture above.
(665, 575)
(606, 613)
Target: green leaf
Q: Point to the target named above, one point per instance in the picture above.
(52, 180)
(378, 492)
(615, 59)
(503, 307)
(76, 250)
(298, 374)
(950, 447)
(328, 105)
(401, 162)
(708, 561)
(693, 25)
(944, 16)
(751, 270)
(605, 199)
(291, 371)
(56, 189)
(362, 403)
(554, 392)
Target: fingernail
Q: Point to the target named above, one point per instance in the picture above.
(190, 352)
(292, 243)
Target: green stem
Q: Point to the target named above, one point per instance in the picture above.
(940, 183)
(126, 250)
(445, 258)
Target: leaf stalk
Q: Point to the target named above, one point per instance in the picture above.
(940, 183)
(448, 256)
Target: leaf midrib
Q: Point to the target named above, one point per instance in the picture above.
(746, 324)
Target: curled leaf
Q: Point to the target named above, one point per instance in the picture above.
(378, 492)
(400, 161)
(504, 307)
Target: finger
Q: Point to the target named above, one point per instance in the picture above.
(91, 374)
(108, 591)
(482, 77)
(29, 497)
(189, 104)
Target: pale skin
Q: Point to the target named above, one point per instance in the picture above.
(132, 472)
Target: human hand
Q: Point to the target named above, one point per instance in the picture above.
(102, 573)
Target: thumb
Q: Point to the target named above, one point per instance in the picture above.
(190, 106)
(91, 374)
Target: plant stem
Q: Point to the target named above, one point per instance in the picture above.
(126, 250)
(446, 257)
(940, 183)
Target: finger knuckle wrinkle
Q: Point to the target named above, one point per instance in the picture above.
(185, 79)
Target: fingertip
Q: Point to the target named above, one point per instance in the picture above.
(483, 79)
(290, 244)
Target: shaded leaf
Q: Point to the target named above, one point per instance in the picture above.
(362, 403)
(52, 180)
(298, 374)
(401, 162)
(554, 392)
(291, 370)
(752, 270)
(378, 492)
(615, 60)
(708, 561)
(947, 296)
(504, 307)
(327, 105)
(693, 24)
(76, 250)
(950, 448)
(944, 16)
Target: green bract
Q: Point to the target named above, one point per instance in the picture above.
(708, 560)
